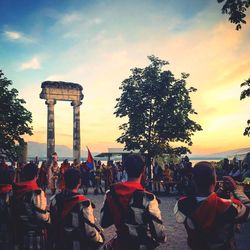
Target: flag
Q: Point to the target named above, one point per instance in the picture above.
(90, 160)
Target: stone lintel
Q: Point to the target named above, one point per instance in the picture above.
(63, 91)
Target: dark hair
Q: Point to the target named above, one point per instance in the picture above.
(203, 176)
(134, 165)
(30, 171)
(5, 176)
(72, 178)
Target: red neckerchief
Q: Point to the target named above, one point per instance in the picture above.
(125, 190)
(205, 214)
(5, 188)
(23, 187)
(69, 205)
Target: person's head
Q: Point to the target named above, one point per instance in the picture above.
(5, 177)
(30, 171)
(44, 164)
(54, 156)
(204, 177)
(134, 165)
(72, 179)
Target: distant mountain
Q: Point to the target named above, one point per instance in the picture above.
(40, 150)
(223, 154)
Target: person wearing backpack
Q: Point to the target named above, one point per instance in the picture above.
(72, 218)
(134, 211)
(209, 219)
(6, 230)
(29, 211)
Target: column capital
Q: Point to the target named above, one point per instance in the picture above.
(76, 103)
(50, 102)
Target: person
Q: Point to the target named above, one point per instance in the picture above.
(108, 175)
(6, 229)
(209, 219)
(64, 167)
(134, 211)
(75, 164)
(72, 218)
(98, 179)
(85, 177)
(42, 176)
(29, 211)
(53, 173)
(157, 177)
(168, 178)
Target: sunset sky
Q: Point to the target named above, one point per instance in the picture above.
(96, 43)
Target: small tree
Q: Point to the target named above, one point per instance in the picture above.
(236, 10)
(158, 108)
(15, 120)
(246, 93)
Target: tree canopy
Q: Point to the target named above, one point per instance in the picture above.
(15, 120)
(158, 107)
(246, 93)
(236, 10)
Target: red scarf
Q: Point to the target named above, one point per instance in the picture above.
(69, 205)
(125, 190)
(5, 188)
(23, 187)
(206, 213)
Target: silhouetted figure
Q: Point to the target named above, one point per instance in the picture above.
(29, 211)
(134, 212)
(73, 221)
(209, 219)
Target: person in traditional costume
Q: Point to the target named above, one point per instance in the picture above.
(72, 217)
(53, 174)
(29, 211)
(209, 219)
(134, 211)
(64, 167)
(6, 225)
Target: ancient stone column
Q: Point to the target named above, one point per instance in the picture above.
(76, 130)
(50, 129)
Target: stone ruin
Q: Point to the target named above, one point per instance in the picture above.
(53, 91)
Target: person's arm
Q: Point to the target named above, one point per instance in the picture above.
(40, 203)
(92, 231)
(244, 208)
(156, 226)
(242, 204)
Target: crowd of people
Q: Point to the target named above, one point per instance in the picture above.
(29, 221)
(51, 175)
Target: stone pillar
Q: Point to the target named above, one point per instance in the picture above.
(24, 153)
(50, 129)
(76, 130)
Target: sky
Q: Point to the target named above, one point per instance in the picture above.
(96, 42)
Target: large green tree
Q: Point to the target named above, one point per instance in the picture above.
(158, 108)
(236, 10)
(15, 120)
(246, 93)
